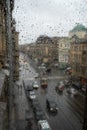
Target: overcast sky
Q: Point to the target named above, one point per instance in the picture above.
(48, 17)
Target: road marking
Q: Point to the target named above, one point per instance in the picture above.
(51, 77)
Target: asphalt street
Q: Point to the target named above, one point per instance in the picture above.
(70, 108)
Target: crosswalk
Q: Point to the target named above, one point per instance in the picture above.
(48, 78)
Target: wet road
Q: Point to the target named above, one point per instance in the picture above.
(70, 111)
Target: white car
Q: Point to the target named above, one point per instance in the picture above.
(43, 125)
(35, 85)
(32, 95)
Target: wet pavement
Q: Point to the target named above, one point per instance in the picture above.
(70, 111)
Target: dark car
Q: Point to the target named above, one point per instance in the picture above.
(29, 88)
(39, 114)
(48, 70)
(76, 84)
(51, 105)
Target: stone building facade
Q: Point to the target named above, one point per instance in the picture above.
(3, 43)
(78, 58)
(4, 59)
(44, 50)
(2, 36)
(78, 51)
(64, 48)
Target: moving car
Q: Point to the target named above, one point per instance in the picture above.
(35, 85)
(60, 87)
(43, 125)
(51, 105)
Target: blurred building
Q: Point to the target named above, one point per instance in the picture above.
(4, 61)
(44, 50)
(79, 30)
(78, 58)
(64, 52)
(2, 35)
(4, 45)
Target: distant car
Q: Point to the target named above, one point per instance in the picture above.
(72, 91)
(60, 87)
(48, 70)
(44, 83)
(84, 89)
(51, 105)
(39, 115)
(35, 85)
(56, 65)
(36, 75)
(32, 95)
(67, 82)
(43, 125)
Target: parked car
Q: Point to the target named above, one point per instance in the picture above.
(36, 75)
(38, 112)
(35, 85)
(28, 115)
(67, 82)
(60, 87)
(28, 119)
(43, 125)
(72, 91)
(34, 103)
(48, 70)
(51, 105)
(84, 89)
(32, 95)
(76, 84)
(29, 88)
(44, 83)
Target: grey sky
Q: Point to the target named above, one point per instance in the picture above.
(49, 17)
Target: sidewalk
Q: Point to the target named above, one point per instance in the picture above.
(21, 106)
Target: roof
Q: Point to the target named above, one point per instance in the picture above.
(76, 39)
(79, 27)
